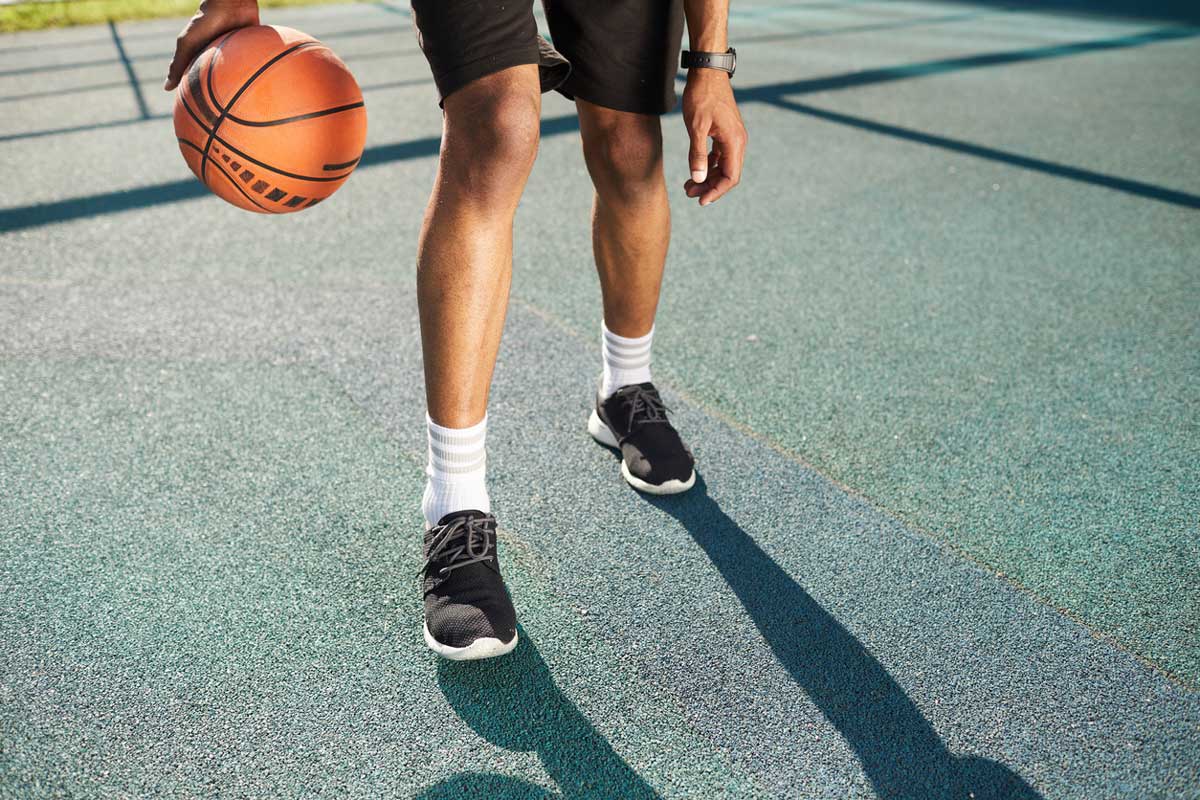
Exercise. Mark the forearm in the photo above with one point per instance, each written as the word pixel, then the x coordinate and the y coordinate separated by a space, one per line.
pixel 707 24
pixel 709 108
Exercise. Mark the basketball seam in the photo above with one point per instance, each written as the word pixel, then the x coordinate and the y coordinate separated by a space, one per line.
pixel 343 165
pixel 263 164
pixel 226 174
pixel 285 120
pixel 233 100
pixel 212 94
pixel 202 104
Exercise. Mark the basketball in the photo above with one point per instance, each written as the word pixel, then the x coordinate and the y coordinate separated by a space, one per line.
pixel 270 119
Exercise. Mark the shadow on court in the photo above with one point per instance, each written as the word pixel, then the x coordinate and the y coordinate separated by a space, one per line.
pixel 1177 10
pixel 776 94
pixel 900 752
pixel 514 703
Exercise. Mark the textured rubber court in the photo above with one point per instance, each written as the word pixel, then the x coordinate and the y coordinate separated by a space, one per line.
pixel 938 357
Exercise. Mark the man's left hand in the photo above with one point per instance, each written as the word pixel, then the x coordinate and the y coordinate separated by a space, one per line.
pixel 709 110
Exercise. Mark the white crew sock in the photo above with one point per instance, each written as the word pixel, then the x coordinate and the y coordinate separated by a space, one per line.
pixel 626 360
pixel 455 470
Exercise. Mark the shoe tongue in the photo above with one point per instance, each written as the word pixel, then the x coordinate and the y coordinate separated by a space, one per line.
pixel 470 513
pixel 630 388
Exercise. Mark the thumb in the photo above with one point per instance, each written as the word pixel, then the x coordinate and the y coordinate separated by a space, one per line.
pixel 698 153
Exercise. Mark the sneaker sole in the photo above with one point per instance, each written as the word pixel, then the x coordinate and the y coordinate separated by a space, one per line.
pixel 487 647
pixel 604 435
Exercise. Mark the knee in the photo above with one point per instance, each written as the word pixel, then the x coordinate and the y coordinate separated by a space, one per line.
pixel 491 140
pixel 624 154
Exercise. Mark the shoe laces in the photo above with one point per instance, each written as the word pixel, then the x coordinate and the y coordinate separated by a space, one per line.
pixel 459 543
pixel 645 406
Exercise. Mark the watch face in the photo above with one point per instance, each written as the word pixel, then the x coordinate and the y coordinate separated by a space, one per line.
pixel 733 67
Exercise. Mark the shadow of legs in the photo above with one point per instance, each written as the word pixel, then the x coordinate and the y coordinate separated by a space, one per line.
pixel 478 785
pixel 514 703
pixel 899 750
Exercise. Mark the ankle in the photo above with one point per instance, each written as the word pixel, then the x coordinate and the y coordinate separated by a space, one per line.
pixel 456 470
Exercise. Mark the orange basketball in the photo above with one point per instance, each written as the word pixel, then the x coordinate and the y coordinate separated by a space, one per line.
pixel 270 119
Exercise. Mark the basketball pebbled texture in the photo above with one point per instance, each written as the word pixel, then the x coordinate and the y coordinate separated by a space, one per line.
pixel 270 119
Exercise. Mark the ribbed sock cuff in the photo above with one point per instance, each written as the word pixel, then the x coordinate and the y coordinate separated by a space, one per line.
pixel 456 468
pixel 626 360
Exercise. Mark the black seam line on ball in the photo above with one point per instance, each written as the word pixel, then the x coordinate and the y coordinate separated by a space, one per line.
pixel 211 93
pixel 197 92
pixel 343 165
pixel 202 103
pixel 263 164
pixel 222 171
pixel 285 120
pixel 237 95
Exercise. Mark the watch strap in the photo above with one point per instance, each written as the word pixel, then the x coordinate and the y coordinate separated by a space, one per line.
pixel 726 61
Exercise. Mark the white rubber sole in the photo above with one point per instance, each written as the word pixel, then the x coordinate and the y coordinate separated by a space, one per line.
pixel 602 434
pixel 487 647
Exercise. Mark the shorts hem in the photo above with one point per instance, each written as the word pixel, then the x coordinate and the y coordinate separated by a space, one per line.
pixel 617 101
pixel 451 81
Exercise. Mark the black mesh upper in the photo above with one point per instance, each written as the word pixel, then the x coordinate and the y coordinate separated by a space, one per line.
pixel 469 601
pixel 650 446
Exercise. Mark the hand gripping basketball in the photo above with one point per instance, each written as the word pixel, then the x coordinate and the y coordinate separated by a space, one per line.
pixel 270 119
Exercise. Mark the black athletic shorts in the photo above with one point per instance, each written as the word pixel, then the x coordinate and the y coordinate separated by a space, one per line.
pixel 621 54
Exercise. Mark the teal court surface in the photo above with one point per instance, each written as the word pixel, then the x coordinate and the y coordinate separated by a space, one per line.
pixel 938 358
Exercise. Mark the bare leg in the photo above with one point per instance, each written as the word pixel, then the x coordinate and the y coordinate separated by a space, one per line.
pixel 631 218
pixel 464 259
pixel 464 269
pixel 631 228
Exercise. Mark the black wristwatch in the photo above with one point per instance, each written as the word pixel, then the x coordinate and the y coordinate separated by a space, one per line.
pixel 726 61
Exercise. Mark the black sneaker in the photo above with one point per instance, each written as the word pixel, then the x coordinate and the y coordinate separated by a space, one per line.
pixel 653 457
pixel 468 613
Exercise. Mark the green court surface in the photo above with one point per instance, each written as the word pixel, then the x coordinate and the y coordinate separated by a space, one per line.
pixel 938 358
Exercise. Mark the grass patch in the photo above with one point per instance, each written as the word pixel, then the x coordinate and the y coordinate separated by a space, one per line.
pixel 63 13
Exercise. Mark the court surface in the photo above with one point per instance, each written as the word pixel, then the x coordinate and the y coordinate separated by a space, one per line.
pixel 938 357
